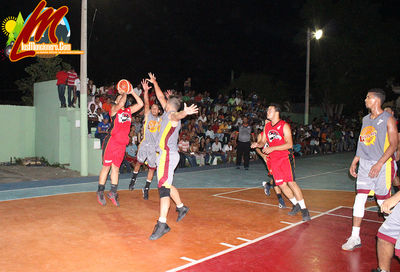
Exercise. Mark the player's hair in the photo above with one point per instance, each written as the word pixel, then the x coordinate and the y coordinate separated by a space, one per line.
pixel 174 102
pixel 379 93
pixel 277 107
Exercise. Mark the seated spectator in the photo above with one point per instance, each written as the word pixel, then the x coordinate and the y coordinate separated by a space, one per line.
pixel 207 151
pixel 314 146
pixel 195 150
pixel 210 132
pixel 229 151
pixel 107 105
pixel 129 160
pixel 102 129
pixel 216 148
pixel 93 118
pixel 184 153
pixel 97 103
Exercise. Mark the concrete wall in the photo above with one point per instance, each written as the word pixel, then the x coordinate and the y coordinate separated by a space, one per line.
pixel 57 136
pixel 17 132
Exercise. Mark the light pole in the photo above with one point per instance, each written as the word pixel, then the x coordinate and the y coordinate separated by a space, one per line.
pixel 83 72
pixel 317 35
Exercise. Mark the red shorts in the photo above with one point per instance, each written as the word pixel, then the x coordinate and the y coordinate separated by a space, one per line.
pixel 113 152
pixel 283 169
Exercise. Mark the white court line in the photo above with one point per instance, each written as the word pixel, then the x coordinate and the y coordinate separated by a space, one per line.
pixel 284 222
pixel 248 243
pixel 243 239
pixel 255 202
pixel 188 259
pixel 310 176
pixel 227 245
pixel 350 217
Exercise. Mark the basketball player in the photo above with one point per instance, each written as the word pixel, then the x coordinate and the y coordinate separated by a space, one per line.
pixel 396 156
pixel 168 157
pixel 278 135
pixel 115 142
pixel 389 234
pixel 376 145
pixel 267 184
pixel 147 148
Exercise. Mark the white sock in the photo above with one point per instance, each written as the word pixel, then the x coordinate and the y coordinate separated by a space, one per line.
pixel 135 172
pixel 162 219
pixel 302 204
pixel 355 232
pixel 179 206
pixel 293 200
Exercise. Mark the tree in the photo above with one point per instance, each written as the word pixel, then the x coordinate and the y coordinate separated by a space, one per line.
pixel 44 69
pixel 264 85
pixel 358 52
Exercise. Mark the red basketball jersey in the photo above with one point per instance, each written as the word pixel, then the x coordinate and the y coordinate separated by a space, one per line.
pixel 121 126
pixel 274 135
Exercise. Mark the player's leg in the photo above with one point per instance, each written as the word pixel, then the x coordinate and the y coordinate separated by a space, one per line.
pixel 141 158
pixel 107 160
pixel 101 187
pixel 113 195
pixel 278 193
pixel 181 209
pixel 385 252
pixel 146 187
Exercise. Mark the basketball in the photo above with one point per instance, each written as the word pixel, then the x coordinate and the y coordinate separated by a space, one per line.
pixel 124 86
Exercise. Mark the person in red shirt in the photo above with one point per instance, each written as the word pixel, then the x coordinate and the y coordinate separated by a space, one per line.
pixel 114 144
pixel 278 137
pixel 72 76
pixel 61 83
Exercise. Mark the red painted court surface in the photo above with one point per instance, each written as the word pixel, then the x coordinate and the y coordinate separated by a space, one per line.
pixel 229 229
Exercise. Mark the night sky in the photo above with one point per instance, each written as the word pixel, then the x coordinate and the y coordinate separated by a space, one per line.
pixel 207 39
pixel 177 39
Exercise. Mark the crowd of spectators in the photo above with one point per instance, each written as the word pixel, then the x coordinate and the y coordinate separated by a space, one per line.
pixel 211 137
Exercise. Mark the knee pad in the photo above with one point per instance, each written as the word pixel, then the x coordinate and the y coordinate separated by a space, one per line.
pixel 164 192
pixel 359 205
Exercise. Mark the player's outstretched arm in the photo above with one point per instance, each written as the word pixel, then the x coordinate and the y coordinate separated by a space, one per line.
pixel 192 109
pixel 146 88
pixel 139 102
pixel 159 93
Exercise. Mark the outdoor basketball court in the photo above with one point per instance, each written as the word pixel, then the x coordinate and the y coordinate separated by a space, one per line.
pixel 231 226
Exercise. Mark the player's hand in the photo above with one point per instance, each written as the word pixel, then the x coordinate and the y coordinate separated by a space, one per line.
pixel 388 204
pixel 254 145
pixel 130 91
pixel 168 93
pixel 145 85
pixel 192 109
pixel 375 169
pixel 267 150
pixel 352 170
pixel 152 78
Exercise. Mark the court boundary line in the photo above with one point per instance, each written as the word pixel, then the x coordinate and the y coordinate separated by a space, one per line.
pixel 250 242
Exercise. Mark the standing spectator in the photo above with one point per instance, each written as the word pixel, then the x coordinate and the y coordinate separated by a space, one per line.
pixel 93 118
pixel 61 83
pixel 91 88
pixel 72 76
pixel 187 85
pixel 138 89
pixel 243 144
pixel 77 84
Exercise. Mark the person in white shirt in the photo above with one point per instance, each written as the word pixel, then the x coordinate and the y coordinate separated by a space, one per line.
pixel 138 90
pixel 229 152
pixel 77 91
pixel 210 133
pixel 202 118
pixel 217 150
